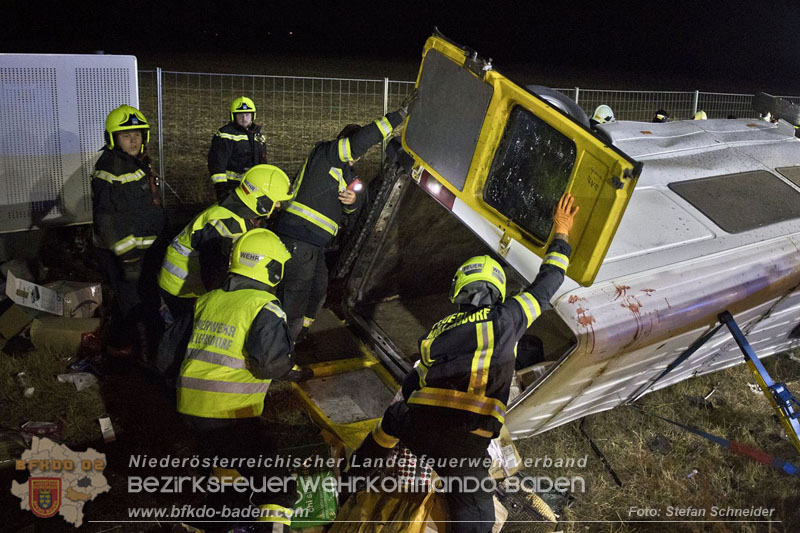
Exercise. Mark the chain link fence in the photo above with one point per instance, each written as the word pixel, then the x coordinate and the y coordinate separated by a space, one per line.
pixel 296 112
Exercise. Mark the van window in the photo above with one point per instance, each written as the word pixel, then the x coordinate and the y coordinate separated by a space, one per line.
pixel 530 172
pixel 743 201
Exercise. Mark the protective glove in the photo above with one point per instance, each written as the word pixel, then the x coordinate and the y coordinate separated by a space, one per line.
pixel 565 214
pixel 131 268
pixel 221 190
pixel 408 101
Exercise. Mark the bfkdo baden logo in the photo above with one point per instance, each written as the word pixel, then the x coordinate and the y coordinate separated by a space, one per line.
pixel 61 481
pixel 44 496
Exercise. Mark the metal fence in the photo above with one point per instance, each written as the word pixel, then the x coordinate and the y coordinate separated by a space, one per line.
pixel 296 112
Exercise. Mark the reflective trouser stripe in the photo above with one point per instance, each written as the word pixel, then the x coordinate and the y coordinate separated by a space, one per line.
pixel 219 178
pixel 175 270
pixel 315 217
pixel 482 405
pixel 556 259
pixel 233 176
pixel 385 126
pixel 215 358
pixel 275 513
pixel 481 361
pixel 530 306
pixel 211 385
pixel 337 174
pixel 383 439
pixel 345 155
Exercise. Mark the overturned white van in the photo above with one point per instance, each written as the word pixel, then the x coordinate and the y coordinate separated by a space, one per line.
pixel 680 221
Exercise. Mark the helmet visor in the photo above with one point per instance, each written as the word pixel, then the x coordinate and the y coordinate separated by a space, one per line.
pixel 274 271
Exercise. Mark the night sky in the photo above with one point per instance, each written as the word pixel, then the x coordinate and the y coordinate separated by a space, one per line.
pixel 636 45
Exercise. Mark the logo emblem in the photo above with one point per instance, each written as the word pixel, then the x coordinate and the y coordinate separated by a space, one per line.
pixel 45 496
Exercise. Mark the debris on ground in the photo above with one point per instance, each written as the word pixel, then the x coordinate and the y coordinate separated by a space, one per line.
pixel 81 380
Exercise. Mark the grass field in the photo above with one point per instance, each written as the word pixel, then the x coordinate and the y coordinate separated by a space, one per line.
pixel 653 460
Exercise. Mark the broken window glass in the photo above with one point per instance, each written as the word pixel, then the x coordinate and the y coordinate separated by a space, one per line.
pixel 530 172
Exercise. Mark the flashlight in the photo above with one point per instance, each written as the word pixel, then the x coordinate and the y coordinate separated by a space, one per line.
pixel 355 185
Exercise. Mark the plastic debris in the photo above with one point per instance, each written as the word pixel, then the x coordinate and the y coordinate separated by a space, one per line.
pixel 107 429
pixel 51 430
pixel 81 380
pixel 692 473
pixel 21 379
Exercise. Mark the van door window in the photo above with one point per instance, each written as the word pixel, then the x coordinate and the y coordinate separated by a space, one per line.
pixel 530 172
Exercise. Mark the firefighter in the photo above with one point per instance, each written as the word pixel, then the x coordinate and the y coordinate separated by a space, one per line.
pixel 239 344
pixel 236 147
pixel 454 399
pixel 602 114
pixel 128 221
pixel 661 116
pixel 196 260
pixel 323 194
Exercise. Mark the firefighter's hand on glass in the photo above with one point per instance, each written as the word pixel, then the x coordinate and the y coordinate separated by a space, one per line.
pixel 565 214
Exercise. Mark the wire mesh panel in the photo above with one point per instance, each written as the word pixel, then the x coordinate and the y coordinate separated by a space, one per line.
pixel 294 113
pixel 725 105
pixel 638 105
pixel 148 104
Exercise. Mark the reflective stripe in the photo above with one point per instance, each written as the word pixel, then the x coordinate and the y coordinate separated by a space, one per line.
pixel 215 358
pixel 181 249
pixel 479 376
pixel 307 322
pixel 425 351
pixel 383 439
pixel 175 270
pixel 385 126
pixel 275 309
pixel 530 306
pixel 336 173
pixel 348 211
pixel 557 259
pixel 275 513
pixel 221 228
pixel 235 176
pixel 126 244
pixel 315 217
pixel 344 150
pixel 422 372
pixel 211 385
pixel 231 136
pixel 219 178
pixel 464 401
pixel 145 242
pixel 122 178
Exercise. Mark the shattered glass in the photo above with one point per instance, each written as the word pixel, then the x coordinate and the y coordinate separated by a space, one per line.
pixel 530 172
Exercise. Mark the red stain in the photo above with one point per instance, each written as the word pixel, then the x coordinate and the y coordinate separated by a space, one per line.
pixel 648 291
pixel 622 290
pixel 585 320
pixel 574 298
pixel 633 305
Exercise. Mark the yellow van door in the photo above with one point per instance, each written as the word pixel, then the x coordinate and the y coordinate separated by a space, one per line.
pixel 509 155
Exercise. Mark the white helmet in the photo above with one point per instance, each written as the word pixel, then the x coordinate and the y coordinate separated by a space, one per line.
pixel 603 114
pixel 700 115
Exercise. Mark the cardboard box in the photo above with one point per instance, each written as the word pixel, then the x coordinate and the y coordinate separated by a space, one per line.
pixel 13 321
pixel 505 457
pixel 70 299
pixel 59 334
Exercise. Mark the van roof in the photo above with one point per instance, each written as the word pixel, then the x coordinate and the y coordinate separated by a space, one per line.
pixel 661 227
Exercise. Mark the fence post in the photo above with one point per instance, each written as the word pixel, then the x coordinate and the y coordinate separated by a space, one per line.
pixel 159 118
pixel 577 92
pixel 694 103
pixel 385 110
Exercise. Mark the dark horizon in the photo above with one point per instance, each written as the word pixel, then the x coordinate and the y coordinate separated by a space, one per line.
pixel 657 45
